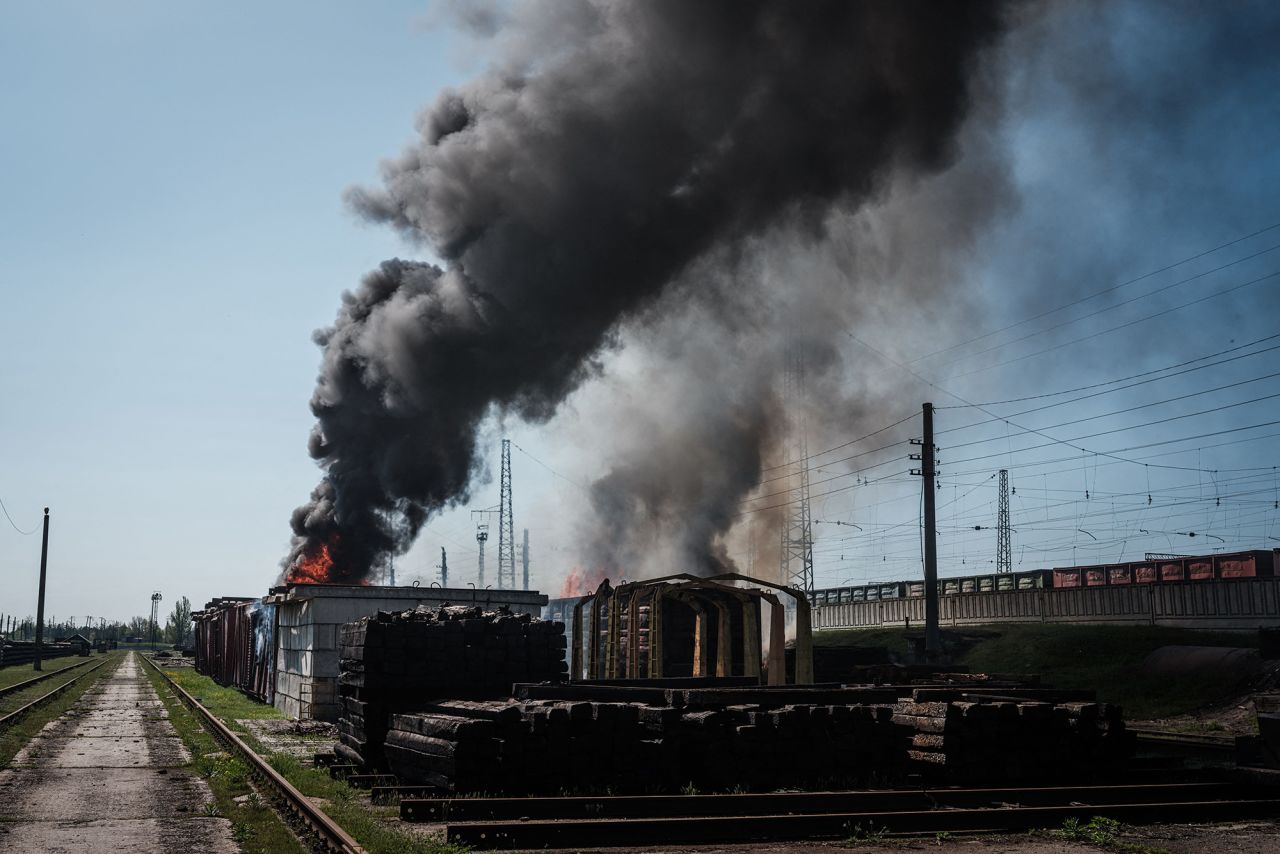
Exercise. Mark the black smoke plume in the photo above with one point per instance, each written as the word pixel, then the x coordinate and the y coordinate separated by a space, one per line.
pixel 565 191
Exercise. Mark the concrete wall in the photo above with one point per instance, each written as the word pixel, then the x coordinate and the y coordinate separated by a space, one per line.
pixel 309 617
pixel 1233 604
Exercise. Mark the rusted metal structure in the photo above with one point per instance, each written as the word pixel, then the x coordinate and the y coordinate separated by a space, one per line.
pixel 687 626
pixel 235 645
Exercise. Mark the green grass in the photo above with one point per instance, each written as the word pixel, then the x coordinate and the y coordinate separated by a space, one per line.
pixel 369 824
pixel 255 824
pixel 12 739
pixel 1107 659
pixel 22 672
pixel 374 827
pixel 227 703
pixel 1103 833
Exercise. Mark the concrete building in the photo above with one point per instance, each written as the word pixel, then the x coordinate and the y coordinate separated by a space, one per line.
pixel 307 618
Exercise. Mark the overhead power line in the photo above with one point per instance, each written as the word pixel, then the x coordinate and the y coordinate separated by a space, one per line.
pixel 1096 294
pixel 1219 408
pixel 1133 377
pixel 1118 327
pixel 566 478
pixel 1120 304
pixel 14 524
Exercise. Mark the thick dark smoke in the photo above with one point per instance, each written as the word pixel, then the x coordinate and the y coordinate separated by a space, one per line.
pixel 566 194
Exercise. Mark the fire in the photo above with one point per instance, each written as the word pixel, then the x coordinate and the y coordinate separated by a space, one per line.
pixel 580 582
pixel 315 567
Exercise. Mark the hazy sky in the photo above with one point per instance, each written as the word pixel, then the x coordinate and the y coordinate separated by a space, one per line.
pixel 173 230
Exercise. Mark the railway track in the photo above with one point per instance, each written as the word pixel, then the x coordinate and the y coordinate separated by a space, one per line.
pixel 510 823
pixel 22 686
pixel 17 714
pixel 326 831
pixel 1194 741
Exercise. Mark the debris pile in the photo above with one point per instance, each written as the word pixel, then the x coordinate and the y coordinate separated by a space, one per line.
pixel 394 661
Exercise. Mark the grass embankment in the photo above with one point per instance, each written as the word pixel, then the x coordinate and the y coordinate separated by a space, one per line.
pixel 367 823
pixel 12 739
pixel 22 672
pixel 255 824
pixel 1107 659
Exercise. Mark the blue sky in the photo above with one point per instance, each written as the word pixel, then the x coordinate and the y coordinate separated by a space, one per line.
pixel 173 231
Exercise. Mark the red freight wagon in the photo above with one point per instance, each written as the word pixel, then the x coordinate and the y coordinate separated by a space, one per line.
pixel 1245 565
pixel 1200 568
pixel 1066 578
pixel 1172 570
pixel 1095 576
pixel 1119 574
pixel 1144 573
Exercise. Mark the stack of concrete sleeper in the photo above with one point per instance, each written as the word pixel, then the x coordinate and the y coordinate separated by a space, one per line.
pixel 395 661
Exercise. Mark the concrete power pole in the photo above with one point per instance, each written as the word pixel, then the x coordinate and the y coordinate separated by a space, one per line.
pixel 44 562
pixel 928 471
pixel 524 558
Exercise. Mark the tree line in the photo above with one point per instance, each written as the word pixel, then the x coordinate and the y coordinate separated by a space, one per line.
pixel 176 628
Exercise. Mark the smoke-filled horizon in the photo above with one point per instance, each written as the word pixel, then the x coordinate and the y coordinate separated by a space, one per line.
pixel 665 165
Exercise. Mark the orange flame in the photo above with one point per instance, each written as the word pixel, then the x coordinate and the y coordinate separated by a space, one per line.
pixel 580 582
pixel 313 568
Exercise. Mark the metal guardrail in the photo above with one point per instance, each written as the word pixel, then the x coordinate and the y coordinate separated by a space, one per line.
pixel 330 834
pixel 13 717
pixel 22 686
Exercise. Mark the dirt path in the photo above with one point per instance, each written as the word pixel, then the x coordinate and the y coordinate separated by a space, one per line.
pixel 107 776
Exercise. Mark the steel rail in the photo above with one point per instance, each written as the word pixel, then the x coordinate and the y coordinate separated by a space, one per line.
pixel 329 832
pixel 1184 739
pixel 13 717
pixel 798 803
pixel 759 828
pixel 22 686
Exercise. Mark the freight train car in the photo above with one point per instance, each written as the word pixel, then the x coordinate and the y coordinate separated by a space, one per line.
pixel 988 583
pixel 1258 563
pixel 1168 570
pixel 235 645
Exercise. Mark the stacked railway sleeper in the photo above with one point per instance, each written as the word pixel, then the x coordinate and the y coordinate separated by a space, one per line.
pixel 757 741
pixel 394 661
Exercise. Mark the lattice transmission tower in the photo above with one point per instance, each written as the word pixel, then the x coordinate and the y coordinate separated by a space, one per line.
pixel 1004 543
pixel 796 568
pixel 506 525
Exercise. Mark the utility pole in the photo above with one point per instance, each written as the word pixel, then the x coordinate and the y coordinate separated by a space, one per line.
pixel 482 535
pixel 444 568
pixel 155 613
pixel 44 562
pixel 928 471
pixel 797 532
pixel 1004 543
pixel 506 525
pixel 524 558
